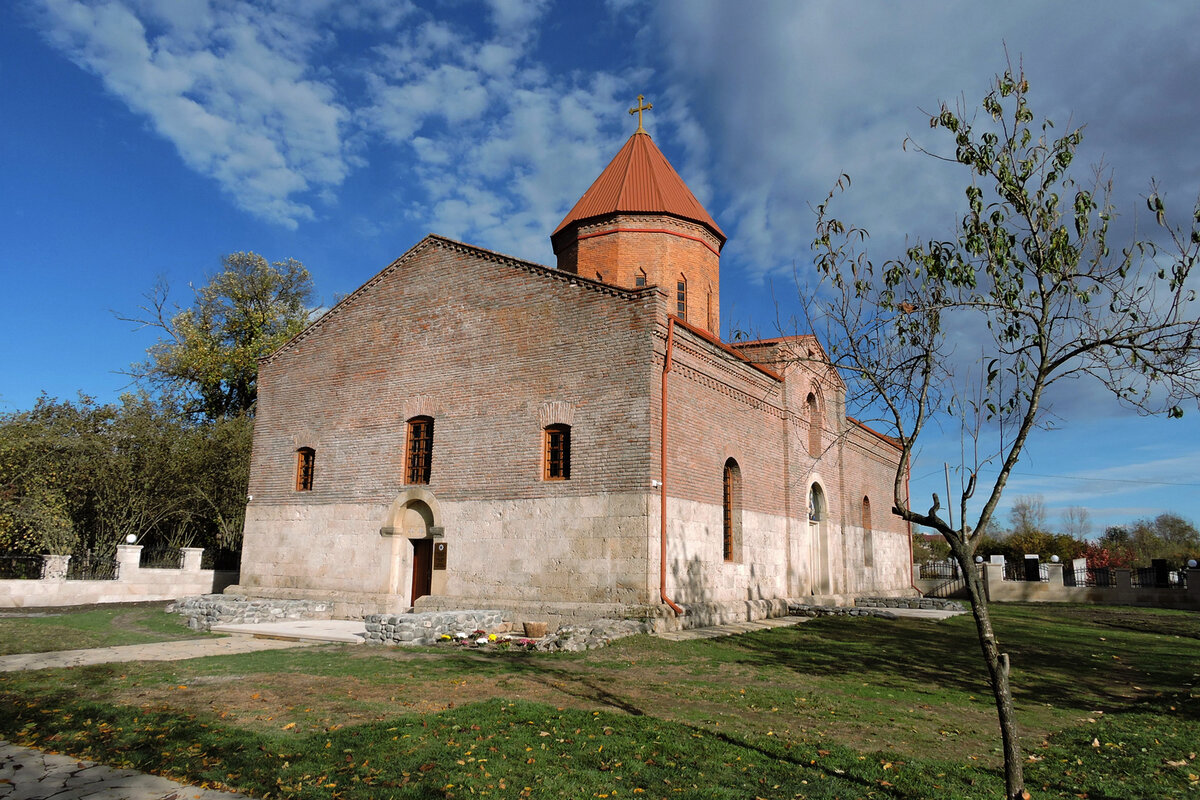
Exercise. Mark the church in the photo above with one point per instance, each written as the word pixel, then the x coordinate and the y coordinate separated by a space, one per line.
pixel 471 430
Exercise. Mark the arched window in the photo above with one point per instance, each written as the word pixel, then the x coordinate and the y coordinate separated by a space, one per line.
pixel 731 505
pixel 816 504
pixel 681 298
pixel 868 534
pixel 306 459
pixel 418 455
pixel 639 280
pixel 814 425
pixel 708 315
pixel 557 453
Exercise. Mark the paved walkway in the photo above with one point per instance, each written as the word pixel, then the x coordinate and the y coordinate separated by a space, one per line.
pixel 157 651
pixel 345 631
pixel 27 774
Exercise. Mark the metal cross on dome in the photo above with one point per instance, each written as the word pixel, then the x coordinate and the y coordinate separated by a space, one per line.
pixel 641 106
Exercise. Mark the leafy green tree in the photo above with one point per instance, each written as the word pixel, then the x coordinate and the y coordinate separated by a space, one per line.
pixel 82 476
pixel 209 353
pixel 1031 275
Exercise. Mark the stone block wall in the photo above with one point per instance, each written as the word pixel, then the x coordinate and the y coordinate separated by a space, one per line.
pixel 428 627
pixel 201 612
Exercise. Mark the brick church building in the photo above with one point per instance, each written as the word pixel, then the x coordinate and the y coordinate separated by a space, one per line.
pixel 471 430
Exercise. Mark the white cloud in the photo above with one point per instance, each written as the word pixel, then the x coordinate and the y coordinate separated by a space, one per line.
pixel 801 92
pixel 502 145
pixel 227 84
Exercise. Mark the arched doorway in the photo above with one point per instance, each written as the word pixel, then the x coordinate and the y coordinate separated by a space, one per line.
pixel 416 521
pixel 818 536
pixel 411 520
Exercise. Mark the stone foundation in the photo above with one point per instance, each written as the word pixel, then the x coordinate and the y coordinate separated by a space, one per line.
pixel 428 627
pixel 939 603
pixel 805 610
pixel 201 612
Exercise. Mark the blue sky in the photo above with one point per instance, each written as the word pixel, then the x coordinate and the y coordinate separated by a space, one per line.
pixel 146 138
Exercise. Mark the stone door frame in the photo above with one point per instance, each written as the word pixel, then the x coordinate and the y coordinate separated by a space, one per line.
pixel 402 572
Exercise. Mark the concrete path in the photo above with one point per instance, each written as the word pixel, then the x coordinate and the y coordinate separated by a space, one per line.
pixel 157 651
pixel 27 774
pixel 346 631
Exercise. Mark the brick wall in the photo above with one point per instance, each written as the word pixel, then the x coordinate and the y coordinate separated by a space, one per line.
pixel 616 249
pixel 482 341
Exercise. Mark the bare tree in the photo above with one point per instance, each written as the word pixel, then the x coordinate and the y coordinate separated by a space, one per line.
pixel 1028 513
pixel 1076 522
pixel 1029 278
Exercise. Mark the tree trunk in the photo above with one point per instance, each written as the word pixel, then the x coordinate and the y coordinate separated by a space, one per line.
pixel 997 664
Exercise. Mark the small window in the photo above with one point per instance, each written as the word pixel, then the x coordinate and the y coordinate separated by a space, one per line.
pixel 814 425
pixel 305 461
pixel 558 453
pixel 731 518
pixel 816 504
pixel 708 312
pixel 419 457
pixel 681 298
pixel 640 280
pixel 868 534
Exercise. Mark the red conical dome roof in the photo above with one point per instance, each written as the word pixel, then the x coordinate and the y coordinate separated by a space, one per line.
pixel 639 180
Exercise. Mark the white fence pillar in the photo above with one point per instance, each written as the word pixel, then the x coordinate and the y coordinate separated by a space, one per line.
pixel 129 560
pixel 191 558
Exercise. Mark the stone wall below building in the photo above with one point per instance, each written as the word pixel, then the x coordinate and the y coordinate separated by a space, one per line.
pixel 937 603
pixel 429 626
pixel 201 612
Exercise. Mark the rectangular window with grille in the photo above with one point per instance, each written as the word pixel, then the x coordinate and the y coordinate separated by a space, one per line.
pixel 558 453
pixel 681 299
pixel 419 459
pixel 306 459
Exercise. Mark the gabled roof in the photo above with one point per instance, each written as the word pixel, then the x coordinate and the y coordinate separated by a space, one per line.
pixel 432 240
pixel 640 180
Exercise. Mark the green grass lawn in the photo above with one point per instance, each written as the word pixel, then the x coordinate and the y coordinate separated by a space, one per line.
pixel 833 708
pixel 45 629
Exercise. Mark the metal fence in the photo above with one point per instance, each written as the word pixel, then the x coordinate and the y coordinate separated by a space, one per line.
pixel 1157 577
pixel 88 567
pixel 161 558
pixel 1100 576
pixel 939 570
pixel 18 566
pixel 1017 571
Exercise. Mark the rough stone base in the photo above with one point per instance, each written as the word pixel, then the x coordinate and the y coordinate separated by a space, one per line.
pixel 939 603
pixel 589 636
pixel 343 605
pixel 658 617
pixel 805 610
pixel 427 627
pixel 201 612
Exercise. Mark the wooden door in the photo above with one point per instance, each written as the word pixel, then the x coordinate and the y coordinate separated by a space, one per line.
pixel 422 568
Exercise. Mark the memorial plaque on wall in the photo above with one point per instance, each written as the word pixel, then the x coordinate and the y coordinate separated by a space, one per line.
pixel 439 555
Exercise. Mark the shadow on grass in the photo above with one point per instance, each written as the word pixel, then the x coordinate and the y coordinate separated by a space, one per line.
pixel 1063 663
pixel 484 747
